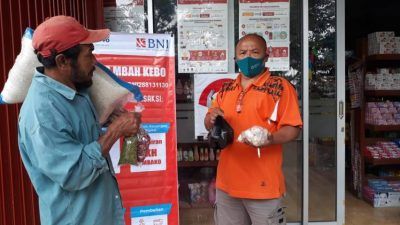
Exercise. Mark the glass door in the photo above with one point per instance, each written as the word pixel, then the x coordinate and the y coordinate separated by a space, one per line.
pixel 314 163
pixel 324 83
pixel 293 151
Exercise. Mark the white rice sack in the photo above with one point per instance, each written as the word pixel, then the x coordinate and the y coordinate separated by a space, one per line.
pixel 255 135
pixel 20 75
pixel 108 92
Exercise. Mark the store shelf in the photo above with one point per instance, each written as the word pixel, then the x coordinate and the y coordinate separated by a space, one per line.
pixel 376 162
pixel 383 57
pixel 373 141
pixel 183 101
pixel 195 205
pixel 382 127
pixel 382 93
pixel 390 178
pixel 197 163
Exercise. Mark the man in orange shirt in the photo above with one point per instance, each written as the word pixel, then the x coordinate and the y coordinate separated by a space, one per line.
pixel 249 188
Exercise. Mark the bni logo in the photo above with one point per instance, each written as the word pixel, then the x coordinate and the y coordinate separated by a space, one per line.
pixel 141 42
pixel 152 43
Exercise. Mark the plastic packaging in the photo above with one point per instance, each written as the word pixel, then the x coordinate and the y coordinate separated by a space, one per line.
pixel 256 136
pixel 134 148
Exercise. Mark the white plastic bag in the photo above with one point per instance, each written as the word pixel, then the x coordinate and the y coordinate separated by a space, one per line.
pixel 256 136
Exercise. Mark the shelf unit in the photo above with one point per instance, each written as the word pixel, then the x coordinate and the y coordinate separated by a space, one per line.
pixel 383 58
pixel 382 127
pixel 382 93
pixel 363 130
pixel 190 172
pixel 378 162
pixel 198 163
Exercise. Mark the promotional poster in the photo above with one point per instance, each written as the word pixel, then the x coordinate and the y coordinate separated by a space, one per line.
pixel 270 19
pixel 150 189
pixel 202 36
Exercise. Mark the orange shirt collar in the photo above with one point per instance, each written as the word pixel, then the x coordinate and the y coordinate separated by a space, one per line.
pixel 260 80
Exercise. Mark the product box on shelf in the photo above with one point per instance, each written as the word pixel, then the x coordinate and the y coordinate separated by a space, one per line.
pixel 381 193
pixel 382 113
pixel 383 150
pixel 383 43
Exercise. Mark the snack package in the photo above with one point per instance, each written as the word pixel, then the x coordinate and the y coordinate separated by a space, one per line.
pixel 134 148
pixel 256 135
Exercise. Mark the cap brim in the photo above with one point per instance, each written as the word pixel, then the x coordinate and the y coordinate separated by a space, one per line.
pixel 96 36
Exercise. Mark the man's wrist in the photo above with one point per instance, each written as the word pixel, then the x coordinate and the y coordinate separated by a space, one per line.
pixel 271 139
pixel 108 139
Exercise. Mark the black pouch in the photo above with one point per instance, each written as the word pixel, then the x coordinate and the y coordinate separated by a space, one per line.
pixel 221 135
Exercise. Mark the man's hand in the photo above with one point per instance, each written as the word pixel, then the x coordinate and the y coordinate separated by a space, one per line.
pixel 126 124
pixel 117 113
pixel 267 142
pixel 209 120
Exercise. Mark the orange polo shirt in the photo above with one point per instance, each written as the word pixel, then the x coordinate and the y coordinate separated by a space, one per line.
pixel 270 102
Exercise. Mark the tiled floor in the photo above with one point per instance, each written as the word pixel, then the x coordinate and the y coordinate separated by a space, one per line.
pixel 358 212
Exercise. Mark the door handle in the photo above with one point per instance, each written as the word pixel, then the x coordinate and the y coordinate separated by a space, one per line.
pixel 341 109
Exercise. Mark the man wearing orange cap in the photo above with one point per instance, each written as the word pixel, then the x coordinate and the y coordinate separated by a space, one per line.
pixel 250 186
pixel 62 147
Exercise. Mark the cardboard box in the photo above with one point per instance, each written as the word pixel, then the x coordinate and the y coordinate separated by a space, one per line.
pixel 381 199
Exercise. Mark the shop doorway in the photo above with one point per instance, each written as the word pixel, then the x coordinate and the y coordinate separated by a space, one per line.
pixel 314 163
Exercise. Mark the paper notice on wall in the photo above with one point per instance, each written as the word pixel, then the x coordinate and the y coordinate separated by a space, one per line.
pixel 127 16
pixel 278 56
pixel 206 87
pixel 270 19
pixel 202 36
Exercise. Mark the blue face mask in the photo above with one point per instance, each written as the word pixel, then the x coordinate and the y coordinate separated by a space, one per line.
pixel 251 67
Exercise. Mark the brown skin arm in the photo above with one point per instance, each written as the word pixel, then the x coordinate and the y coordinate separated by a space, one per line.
pixel 209 120
pixel 282 136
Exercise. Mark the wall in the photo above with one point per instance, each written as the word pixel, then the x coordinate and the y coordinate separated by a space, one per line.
pixel 18 201
pixel 367 16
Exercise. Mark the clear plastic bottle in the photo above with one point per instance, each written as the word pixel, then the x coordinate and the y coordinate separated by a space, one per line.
pixel 206 154
pixel 196 153
pixel 191 157
pixel 185 155
pixel 212 155
pixel 201 154
pixel 218 154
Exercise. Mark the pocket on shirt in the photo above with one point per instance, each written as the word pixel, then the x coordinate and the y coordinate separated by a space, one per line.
pixel 278 217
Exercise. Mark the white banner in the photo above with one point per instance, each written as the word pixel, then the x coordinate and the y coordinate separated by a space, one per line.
pixel 270 19
pixel 206 87
pixel 202 36
pixel 136 44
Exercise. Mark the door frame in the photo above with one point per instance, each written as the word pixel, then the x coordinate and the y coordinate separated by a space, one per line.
pixel 340 116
